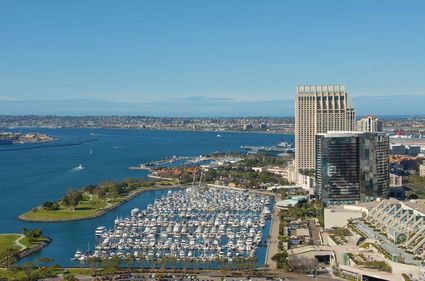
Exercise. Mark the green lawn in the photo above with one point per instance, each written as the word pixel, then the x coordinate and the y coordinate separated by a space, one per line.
pixel 8 241
pixel 89 206
pixel 63 214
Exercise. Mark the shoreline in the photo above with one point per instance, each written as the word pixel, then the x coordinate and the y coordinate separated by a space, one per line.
pixel 162 129
pixel 25 251
pixel 101 212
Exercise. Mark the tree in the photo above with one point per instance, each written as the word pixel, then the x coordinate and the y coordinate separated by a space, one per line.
pixel 72 198
pixel 48 205
pixel 11 256
pixel 93 263
pixel 303 264
pixel 14 269
pixel 142 261
pixel 27 268
pixel 33 234
pixel 251 264
pixel 281 260
pixel 69 277
pixel 129 261
pixel 222 265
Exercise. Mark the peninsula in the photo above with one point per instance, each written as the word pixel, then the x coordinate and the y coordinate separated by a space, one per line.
pixel 92 201
pixel 15 246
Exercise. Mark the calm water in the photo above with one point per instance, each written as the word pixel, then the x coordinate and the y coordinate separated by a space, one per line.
pixel 32 176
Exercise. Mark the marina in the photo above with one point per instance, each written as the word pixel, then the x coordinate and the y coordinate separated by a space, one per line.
pixel 198 223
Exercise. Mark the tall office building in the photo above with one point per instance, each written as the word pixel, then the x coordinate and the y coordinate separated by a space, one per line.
pixel 319 109
pixel 369 123
pixel 351 167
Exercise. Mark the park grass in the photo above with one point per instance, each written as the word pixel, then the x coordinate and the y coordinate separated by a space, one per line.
pixel 59 215
pixel 9 275
pixel 26 242
pixel 90 206
pixel 8 241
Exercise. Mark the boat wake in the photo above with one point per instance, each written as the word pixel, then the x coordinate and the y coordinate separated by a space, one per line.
pixel 78 168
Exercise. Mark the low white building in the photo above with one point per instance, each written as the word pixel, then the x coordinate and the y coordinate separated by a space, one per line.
pixel 339 215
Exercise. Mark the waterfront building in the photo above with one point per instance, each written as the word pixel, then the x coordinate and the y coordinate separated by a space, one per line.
pixel 402 222
pixel 319 109
pixel 351 167
pixel 369 123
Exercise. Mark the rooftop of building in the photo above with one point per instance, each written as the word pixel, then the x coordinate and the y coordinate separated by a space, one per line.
pixel 341 209
pixel 302 89
pixel 370 116
pixel 367 205
pixel 417 204
pixel 341 134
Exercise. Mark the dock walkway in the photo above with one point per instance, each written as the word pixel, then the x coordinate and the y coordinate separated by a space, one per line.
pixel 273 241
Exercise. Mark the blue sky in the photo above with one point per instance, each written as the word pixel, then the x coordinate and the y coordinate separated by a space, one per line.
pixel 201 56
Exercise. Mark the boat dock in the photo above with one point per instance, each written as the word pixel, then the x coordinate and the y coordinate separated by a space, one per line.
pixel 155 164
pixel 202 223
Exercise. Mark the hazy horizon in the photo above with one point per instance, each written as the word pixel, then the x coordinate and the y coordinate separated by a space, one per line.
pixel 198 107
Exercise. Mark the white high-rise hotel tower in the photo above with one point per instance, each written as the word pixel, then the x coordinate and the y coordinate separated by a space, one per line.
pixel 319 109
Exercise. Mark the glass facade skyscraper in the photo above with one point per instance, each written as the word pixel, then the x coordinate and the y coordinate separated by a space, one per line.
pixel 351 167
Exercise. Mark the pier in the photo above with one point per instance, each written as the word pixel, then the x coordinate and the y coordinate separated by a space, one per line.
pixel 155 164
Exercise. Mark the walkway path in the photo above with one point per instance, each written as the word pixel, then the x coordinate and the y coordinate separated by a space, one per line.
pixel 273 241
pixel 18 242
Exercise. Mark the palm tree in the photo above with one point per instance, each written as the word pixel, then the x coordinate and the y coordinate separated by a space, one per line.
pixel 142 261
pixel 163 262
pixel 129 261
pixel 251 264
pixel 185 264
pixel 222 265
pixel 93 264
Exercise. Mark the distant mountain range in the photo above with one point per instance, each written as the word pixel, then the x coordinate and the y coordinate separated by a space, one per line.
pixel 204 107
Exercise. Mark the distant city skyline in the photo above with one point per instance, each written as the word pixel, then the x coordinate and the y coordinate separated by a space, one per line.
pixel 218 58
